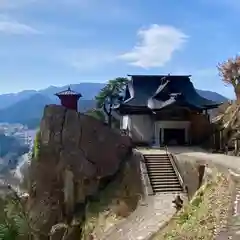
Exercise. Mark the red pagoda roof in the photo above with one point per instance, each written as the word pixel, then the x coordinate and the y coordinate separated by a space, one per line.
pixel 68 92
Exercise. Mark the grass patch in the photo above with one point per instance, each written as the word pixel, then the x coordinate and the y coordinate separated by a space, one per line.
pixel 198 219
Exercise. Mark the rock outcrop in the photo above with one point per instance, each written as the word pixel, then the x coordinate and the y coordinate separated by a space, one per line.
pixel 227 125
pixel 77 155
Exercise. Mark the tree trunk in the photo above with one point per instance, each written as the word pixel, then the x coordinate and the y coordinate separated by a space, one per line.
pixel 237 93
pixel 110 117
pixel 108 113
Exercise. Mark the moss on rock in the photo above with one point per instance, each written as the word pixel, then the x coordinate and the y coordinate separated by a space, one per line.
pixel 36 145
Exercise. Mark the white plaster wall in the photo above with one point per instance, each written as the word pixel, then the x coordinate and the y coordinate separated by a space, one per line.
pixel 124 122
pixel 171 124
pixel 141 128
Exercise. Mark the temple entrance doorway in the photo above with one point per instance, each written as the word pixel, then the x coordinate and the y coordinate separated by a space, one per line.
pixel 174 136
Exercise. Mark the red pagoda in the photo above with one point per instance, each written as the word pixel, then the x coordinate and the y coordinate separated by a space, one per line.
pixel 69 99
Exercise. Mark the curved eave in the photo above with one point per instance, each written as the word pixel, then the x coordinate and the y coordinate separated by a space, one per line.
pixel 124 109
pixel 212 106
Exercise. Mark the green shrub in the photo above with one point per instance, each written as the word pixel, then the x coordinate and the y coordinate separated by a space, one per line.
pixel 13 219
pixel 36 146
pixel 96 113
pixel 197 201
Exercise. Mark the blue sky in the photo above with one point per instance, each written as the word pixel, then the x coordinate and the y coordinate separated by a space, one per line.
pixel 58 42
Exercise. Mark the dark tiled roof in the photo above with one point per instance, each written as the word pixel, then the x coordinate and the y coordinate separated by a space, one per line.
pixel 162 87
pixel 69 92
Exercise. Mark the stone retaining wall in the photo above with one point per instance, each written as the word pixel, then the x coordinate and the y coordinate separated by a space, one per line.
pixel 188 170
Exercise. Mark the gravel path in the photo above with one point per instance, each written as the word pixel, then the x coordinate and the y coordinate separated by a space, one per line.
pixel 146 220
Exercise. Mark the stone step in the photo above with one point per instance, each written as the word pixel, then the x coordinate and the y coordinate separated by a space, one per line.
pixel 156 158
pixel 160 169
pixel 158 162
pixel 162 172
pixel 159 166
pixel 166 184
pixel 164 181
pixel 159 186
pixel 155 155
pixel 172 177
pixel 158 190
pixel 163 177
pixel 169 177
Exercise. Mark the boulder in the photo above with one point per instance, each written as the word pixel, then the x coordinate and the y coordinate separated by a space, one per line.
pixel 76 151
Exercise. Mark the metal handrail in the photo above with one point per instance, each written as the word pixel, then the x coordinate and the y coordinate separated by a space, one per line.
pixel 172 160
pixel 176 170
pixel 166 149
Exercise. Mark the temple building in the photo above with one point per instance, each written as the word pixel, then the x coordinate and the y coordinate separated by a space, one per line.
pixel 69 99
pixel 164 110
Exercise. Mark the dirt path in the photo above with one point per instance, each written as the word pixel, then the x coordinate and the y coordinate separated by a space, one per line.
pixel 230 162
pixel 146 220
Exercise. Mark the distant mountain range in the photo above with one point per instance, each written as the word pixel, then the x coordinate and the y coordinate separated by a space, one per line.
pixel 26 107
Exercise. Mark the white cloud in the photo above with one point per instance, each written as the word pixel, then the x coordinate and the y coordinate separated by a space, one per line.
pixel 14 27
pixel 155 47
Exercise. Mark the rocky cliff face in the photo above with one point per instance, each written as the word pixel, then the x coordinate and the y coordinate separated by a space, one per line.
pixel 228 122
pixel 77 156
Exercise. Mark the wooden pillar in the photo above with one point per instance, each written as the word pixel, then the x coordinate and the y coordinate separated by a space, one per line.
pixel 235 145
pixel 226 149
pixel 214 141
pixel 189 136
pixel 162 135
pixel 220 140
pixel 238 144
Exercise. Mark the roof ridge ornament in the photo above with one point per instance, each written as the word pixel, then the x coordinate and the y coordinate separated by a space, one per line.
pixel 68 92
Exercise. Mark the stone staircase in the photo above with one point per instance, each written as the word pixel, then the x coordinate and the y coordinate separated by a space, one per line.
pixel 162 175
